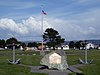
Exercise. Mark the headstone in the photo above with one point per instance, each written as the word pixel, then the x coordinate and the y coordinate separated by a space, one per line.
pixel 55 60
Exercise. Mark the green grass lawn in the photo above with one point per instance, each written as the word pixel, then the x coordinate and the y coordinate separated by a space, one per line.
pixel 89 69
pixel 32 60
pixel 8 69
pixel 94 68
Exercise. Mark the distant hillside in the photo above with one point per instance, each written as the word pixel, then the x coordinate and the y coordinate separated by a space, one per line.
pixel 89 41
pixel 26 42
pixel 94 41
pixel 67 42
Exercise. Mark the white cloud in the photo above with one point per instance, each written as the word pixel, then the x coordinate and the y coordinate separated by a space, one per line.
pixel 36 25
pixel 25 27
pixel 80 26
pixel 13 26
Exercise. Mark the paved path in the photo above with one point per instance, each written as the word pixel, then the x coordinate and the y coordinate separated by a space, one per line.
pixel 73 68
pixel 56 72
pixel 50 72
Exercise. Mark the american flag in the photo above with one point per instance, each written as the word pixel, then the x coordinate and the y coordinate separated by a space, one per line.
pixel 44 12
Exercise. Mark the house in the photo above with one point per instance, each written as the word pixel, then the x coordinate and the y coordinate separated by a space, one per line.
pixel 55 60
pixel 40 47
pixel 21 48
pixel 98 47
pixel 31 48
pixel 59 47
pixel 90 46
pixel 65 47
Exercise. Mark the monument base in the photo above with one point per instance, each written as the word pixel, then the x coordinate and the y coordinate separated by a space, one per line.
pixel 42 53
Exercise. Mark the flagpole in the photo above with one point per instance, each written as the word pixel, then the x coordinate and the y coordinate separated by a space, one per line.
pixel 42 51
pixel 42 27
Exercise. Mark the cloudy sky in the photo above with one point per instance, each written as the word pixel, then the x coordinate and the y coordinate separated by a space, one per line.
pixel 73 19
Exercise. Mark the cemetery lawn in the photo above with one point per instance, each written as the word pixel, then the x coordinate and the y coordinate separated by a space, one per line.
pixel 28 58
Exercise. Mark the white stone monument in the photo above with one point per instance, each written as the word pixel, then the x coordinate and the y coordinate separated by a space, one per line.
pixel 55 60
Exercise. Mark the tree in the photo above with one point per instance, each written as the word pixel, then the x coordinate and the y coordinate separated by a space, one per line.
pixel 71 44
pixel 78 44
pixel 81 44
pixel 11 41
pixel 32 44
pixel 2 43
pixel 23 44
pixel 52 38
